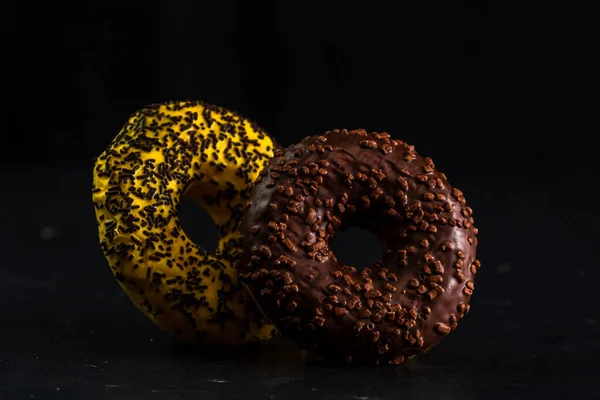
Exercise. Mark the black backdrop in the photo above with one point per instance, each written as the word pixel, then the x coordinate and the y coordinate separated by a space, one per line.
pixel 501 96
pixel 481 88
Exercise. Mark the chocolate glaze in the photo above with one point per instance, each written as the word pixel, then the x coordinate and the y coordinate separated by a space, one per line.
pixel 400 306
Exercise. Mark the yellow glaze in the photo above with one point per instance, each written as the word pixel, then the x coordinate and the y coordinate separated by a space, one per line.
pixel 162 153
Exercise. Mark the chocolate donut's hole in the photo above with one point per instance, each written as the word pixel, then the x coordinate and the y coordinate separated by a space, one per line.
pixel 357 247
pixel 197 224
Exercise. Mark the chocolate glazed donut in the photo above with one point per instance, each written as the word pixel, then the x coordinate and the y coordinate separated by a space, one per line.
pixel 400 306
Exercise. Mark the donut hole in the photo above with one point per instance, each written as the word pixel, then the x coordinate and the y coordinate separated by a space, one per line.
pixel 357 247
pixel 197 224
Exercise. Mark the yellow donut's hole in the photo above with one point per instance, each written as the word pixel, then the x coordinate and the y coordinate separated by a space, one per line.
pixel 197 224
pixel 206 196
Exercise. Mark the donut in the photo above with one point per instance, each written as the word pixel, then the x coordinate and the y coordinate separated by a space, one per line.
pixel 161 154
pixel 405 302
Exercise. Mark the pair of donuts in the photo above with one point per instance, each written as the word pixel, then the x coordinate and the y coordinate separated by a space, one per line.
pixel 278 212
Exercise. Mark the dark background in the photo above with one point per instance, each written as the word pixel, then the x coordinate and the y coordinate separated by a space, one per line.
pixel 478 87
pixel 501 96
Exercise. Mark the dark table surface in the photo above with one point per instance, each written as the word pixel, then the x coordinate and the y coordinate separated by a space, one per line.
pixel 68 331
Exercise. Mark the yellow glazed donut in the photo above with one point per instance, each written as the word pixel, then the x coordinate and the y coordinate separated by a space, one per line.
pixel 163 153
